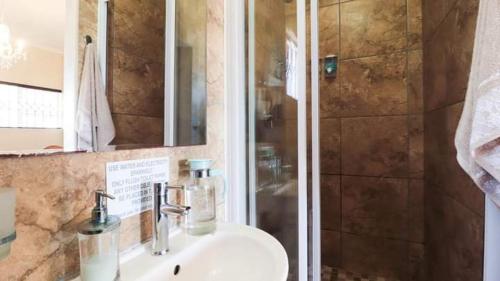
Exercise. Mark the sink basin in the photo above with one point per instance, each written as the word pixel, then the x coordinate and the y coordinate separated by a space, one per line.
pixel 232 253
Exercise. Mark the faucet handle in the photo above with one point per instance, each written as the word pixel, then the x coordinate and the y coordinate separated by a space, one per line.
pixel 179 210
pixel 163 188
pixel 175 187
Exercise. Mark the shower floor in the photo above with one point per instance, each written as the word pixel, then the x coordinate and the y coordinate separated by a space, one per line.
pixel 335 274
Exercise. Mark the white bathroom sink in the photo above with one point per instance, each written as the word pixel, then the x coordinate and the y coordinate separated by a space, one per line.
pixel 232 253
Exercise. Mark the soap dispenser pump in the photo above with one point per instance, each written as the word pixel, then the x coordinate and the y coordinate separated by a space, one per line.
pixel 98 239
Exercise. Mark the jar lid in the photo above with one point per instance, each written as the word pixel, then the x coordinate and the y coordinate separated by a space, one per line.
pixel 199 164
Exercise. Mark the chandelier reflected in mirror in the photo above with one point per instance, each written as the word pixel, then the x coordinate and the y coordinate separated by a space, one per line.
pixel 10 54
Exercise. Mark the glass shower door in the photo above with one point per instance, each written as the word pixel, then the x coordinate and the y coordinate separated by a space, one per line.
pixel 276 110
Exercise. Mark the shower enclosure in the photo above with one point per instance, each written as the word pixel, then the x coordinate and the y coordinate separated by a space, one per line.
pixel 278 85
pixel 377 85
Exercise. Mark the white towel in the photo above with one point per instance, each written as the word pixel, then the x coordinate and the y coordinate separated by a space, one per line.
pixel 478 134
pixel 94 125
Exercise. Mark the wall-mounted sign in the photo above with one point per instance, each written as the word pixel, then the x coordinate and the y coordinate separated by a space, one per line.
pixel 131 182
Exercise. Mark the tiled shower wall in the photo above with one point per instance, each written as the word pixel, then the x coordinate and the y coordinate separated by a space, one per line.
pixel 136 70
pixel 454 209
pixel 372 138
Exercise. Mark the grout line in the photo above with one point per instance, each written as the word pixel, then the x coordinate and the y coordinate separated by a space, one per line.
pixel 441 22
pixel 408 129
pixel 369 176
pixel 443 107
pixel 339 73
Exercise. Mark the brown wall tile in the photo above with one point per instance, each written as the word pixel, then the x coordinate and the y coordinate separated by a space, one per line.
pixel 374 86
pixel 454 207
pixel 416 146
pixel 375 206
pixel 330 202
pixel 331 248
pixel 131 129
pixel 329 31
pixel 416 255
pixel 415 82
pixel 138 86
pixel 375 256
pixel 330 146
pixel 448 56
pixel 372 27
pixel 329 95
pixel 375 146
pixel 454 237
pixel 416 211
pixel 414 24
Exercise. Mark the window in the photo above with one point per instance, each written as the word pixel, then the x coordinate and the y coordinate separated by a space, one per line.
pixel 291 66
pixel 26 107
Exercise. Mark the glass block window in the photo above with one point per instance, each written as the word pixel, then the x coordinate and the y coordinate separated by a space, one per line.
pixel 24 107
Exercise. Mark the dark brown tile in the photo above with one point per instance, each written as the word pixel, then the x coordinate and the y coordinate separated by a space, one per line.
pixel 147 29
pixel 454 239
pixel 416 146
pixel 329 33
pixel 436 145
pixel 138 86
pixel 442 170
pixel 375 256
pixel 414 24
pixel 331 248
pixel 435 69
pixel 434 12
pixel 372 27
pixel 416 254
pixel 330 146
pixel 416 211
pixel 461 27
pixel 374 86
pixel 329 94
pixel 330 202
pixel 415 82
pixel 448 56
pixel 132 129
pixel 375 206
pixel 369 150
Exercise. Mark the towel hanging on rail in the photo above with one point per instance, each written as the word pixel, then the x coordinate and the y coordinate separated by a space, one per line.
pixel 94 124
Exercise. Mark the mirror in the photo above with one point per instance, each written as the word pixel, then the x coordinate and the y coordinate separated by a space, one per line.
pixel 105 75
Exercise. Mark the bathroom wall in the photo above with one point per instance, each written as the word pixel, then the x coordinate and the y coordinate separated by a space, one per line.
pixel 372 138
pixel 54 193
pixel 136 70
pixel 454 208
pixel 42 68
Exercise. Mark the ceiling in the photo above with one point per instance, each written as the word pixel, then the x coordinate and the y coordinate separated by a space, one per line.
pixel 39 22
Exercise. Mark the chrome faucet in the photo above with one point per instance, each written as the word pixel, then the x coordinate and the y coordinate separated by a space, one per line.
pixel 161 211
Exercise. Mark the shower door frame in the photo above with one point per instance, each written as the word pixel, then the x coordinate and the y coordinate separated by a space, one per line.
pixel 238 205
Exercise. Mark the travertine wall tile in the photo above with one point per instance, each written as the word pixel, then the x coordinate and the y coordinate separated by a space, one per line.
pixel 375 206
pixel 372 27
pixel 377 97
pixel 454 206
pixel 373 86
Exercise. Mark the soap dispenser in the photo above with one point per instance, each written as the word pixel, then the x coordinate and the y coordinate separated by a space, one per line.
pixel 99 243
